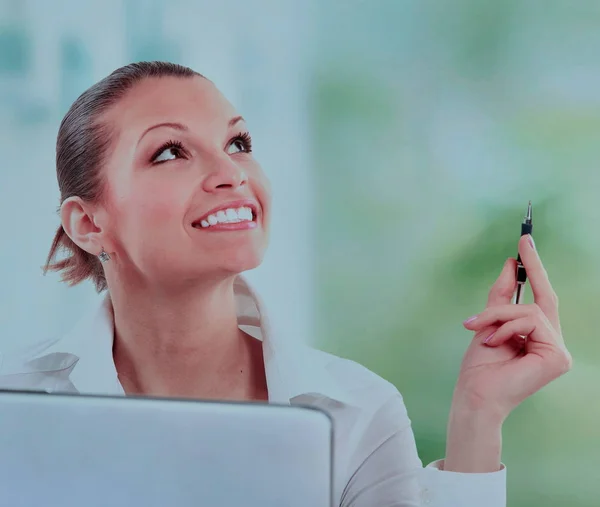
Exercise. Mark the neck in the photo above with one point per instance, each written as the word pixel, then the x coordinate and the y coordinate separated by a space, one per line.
pixel 183 342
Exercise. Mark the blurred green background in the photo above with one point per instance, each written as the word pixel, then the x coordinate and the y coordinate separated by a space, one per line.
pixel 434 124
pixel 415 131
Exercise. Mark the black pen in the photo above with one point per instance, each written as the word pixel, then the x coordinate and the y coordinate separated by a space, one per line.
pixel 526 228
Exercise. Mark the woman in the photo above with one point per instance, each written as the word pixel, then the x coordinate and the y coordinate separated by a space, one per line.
pixel 163 205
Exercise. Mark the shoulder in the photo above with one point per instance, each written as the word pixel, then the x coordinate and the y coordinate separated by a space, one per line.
pixel 31 350
pixel 93 324
pixel 354 382
pixel 372 420
pixel 16 359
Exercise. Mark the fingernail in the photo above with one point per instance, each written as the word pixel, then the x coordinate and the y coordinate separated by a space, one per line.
pixel 470 319
pixel 531 242
pixel 489 337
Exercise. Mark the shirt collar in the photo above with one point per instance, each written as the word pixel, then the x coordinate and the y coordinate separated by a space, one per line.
pixel 292 369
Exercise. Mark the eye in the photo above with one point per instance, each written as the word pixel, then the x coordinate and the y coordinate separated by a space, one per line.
pixel 171 150
pixel 242 143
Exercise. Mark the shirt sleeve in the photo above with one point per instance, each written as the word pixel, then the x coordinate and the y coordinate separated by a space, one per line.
pixel 389 473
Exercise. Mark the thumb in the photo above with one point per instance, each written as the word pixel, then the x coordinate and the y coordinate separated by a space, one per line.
pixel 505 285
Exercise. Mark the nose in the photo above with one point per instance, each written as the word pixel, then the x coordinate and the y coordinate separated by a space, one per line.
pixel 225 175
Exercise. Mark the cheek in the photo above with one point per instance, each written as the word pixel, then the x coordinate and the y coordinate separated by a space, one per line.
pixel 151 210
pixel 262 188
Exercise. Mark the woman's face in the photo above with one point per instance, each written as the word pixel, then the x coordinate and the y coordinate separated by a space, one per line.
pixel 185 198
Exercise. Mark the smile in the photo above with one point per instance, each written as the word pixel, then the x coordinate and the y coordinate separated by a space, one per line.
pixel 243 216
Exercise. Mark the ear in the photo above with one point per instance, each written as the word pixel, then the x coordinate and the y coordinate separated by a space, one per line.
pixel 77 219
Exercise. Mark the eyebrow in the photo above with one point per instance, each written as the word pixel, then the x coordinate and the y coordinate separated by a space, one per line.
pixel 235 120
pixel 176 126
pixel 179 126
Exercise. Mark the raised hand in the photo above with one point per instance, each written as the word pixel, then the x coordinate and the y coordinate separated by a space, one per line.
pixel 516 350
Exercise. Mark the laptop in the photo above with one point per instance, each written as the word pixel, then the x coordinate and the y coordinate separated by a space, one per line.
pixel 72 450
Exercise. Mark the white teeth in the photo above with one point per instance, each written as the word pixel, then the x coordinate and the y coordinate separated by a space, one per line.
pixel 228 216
pixel 245 213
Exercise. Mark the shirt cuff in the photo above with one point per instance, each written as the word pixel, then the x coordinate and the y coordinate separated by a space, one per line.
pixel 449 489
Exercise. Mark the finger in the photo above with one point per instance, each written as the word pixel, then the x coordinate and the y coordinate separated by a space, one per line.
pixel 505 285
pixel 482 335
pixel 543 360
pixel 507 313
pixel 518 328
pixel 545 356
pixel 545 364
pixel 499 314
pixel 543 292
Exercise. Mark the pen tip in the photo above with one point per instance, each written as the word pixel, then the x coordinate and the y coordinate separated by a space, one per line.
pixel 529 213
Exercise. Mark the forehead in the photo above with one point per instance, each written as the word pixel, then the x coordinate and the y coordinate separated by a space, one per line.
pixel 195 101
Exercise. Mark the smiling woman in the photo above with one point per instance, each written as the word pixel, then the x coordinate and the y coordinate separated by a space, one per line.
pixel 161 139
pixel 163 205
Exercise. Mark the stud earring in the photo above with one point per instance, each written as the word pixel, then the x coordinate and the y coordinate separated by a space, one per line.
pixel 103 256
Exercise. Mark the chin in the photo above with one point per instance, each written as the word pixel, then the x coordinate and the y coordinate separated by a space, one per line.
pixel 226 255
pixel 234 261
pixel 236 266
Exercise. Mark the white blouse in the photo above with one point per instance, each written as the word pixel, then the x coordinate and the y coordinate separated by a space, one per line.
pixel 375 457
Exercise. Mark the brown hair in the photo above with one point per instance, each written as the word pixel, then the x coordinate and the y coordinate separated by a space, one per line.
pixel 81 148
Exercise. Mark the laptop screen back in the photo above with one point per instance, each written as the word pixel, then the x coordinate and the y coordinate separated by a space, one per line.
pixel 73 450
